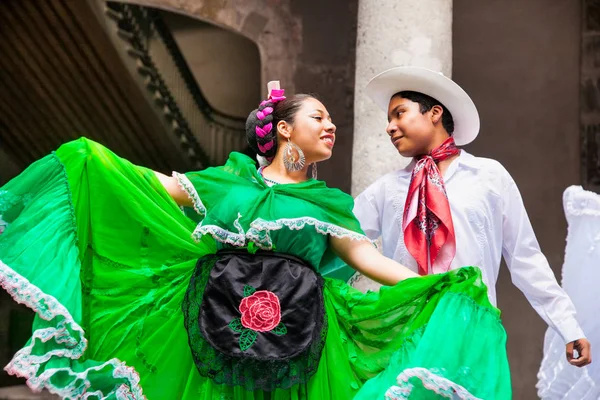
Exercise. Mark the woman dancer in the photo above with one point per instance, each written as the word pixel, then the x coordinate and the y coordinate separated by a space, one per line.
pixel 235 297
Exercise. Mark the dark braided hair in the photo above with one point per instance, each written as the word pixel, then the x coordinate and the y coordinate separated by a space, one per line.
pixel 261 125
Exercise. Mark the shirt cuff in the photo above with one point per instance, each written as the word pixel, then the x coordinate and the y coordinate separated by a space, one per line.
pixel 570 330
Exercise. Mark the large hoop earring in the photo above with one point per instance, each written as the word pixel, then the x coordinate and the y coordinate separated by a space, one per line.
pixel 290 162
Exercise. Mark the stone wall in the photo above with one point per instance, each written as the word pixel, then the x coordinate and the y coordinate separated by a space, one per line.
pixel 325 66
pixel 590 95
pixel 520 62
pixel 309 46
pixel 225 64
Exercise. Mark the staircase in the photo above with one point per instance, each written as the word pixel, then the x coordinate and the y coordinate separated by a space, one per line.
pixel 207 136
pixel 107 71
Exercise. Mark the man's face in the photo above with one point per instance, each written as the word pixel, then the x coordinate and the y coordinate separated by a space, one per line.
pixel 411 132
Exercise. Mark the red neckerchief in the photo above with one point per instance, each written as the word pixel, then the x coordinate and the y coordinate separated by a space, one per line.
pixel 427 223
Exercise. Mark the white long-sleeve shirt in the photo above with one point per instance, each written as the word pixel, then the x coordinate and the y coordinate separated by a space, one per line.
pixel 490 221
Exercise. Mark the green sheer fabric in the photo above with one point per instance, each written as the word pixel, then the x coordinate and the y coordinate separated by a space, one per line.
pixel 241 210
pixel 103 255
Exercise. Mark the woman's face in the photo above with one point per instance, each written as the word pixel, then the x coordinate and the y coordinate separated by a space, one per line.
pixel 312 131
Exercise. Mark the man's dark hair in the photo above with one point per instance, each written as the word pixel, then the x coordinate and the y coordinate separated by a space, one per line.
pixel 426 103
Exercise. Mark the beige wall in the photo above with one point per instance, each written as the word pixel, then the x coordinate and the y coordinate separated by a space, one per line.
pixel 298 44
pixel 325 67
pixel 519 60
pixel 226 64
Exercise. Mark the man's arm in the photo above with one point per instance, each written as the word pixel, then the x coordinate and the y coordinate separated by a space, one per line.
pixel 531 273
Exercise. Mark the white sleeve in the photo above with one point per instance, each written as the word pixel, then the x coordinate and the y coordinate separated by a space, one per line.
pixel 367 212
pixel 530 270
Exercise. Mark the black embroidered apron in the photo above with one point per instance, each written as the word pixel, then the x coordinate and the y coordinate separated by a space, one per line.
pixel 255 320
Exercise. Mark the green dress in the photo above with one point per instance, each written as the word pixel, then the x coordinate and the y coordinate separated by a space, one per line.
pixel 103 255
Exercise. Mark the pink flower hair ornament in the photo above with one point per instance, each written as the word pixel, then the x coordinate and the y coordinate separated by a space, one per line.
pixel 275 96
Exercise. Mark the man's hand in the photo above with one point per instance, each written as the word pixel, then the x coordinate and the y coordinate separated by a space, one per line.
pixel 584 350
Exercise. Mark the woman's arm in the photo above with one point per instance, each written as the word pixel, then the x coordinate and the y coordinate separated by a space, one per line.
pixel 364 257
pixel 177 193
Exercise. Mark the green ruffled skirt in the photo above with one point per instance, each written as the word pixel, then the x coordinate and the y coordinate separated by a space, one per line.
pixel 98 249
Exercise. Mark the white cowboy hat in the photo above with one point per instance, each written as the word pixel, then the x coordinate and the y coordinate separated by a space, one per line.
pixel 434 84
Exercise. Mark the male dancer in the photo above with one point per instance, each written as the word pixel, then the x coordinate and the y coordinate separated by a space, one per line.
pixel 448 208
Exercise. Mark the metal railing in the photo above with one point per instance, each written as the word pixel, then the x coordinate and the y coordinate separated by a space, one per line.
pixel 207 136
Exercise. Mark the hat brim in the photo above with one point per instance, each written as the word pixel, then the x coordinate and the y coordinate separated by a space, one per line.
pixel 464 113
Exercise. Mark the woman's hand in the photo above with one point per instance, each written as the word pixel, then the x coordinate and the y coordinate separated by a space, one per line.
pixel 366 259
pixel 172 186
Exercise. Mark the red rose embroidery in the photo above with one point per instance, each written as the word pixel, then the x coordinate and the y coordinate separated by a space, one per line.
pixel 261 311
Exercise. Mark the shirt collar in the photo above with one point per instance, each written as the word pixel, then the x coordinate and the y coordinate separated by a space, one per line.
pixel 465 159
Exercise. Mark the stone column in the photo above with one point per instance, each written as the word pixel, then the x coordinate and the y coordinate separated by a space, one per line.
pixel 392 33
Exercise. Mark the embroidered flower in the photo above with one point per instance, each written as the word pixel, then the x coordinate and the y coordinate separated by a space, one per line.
pixel 261 312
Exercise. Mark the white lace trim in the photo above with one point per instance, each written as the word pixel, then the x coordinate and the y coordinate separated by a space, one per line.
pixel 431 381
pixel 187 186
pixel 579 202
pixel 221 234
pixel 26 365
pixel 260 229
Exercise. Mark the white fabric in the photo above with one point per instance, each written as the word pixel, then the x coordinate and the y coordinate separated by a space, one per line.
pixel 581 278
pixel 490 221
pixel 434 84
